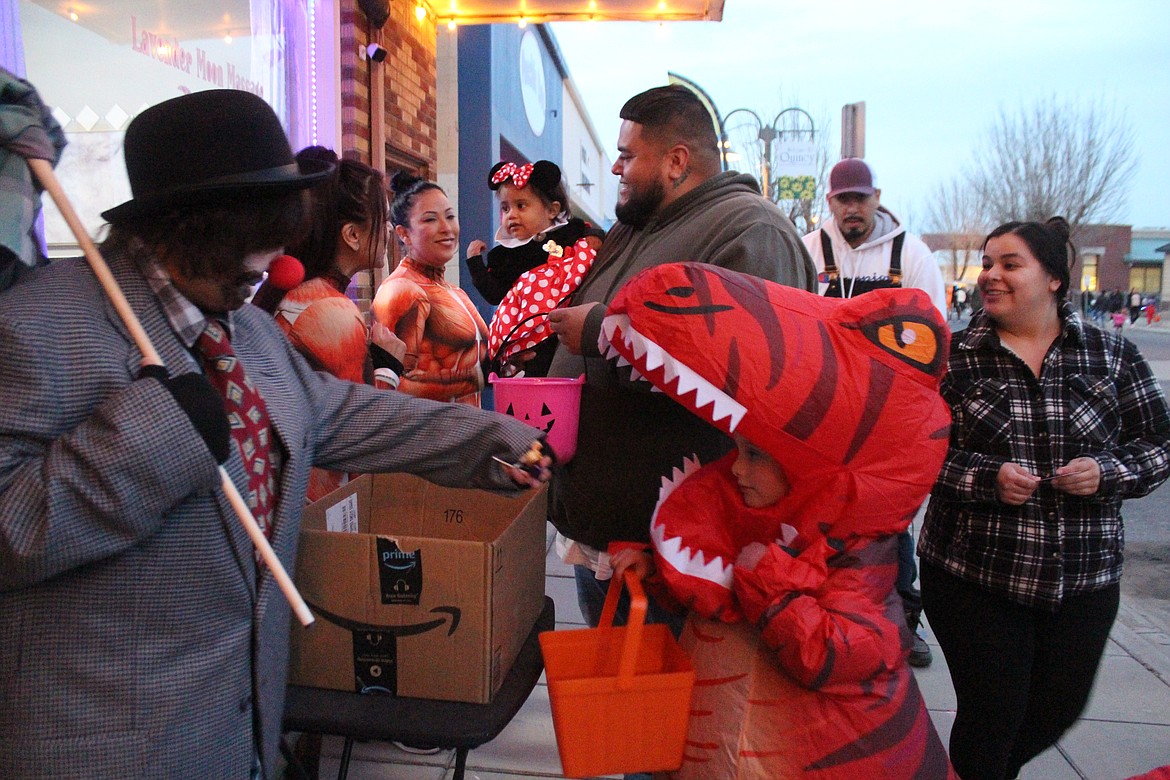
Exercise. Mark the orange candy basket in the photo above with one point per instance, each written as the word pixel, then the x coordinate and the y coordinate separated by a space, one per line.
pixel 620 696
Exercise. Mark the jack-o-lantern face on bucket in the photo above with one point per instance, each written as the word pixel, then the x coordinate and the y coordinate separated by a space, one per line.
pixel 542 422
pixel 548 404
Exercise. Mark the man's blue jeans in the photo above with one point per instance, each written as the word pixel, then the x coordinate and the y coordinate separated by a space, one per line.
pixel 907 574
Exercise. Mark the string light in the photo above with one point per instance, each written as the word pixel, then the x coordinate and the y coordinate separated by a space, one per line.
pixel 451 24
pixel 313 71
pixel 420 12
pixel 228 39
pixel 73 17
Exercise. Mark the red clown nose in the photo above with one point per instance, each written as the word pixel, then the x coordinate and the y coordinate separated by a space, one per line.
pixel 286 272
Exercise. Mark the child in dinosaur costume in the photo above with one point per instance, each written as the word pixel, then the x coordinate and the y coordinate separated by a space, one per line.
pixel 840 398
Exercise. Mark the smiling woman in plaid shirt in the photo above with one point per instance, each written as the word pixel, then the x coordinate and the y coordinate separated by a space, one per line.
pixel 1055 422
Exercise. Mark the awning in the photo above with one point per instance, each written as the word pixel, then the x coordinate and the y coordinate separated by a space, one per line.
pixel 540 11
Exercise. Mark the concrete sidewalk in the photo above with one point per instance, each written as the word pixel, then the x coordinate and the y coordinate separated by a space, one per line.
pixel 1124 731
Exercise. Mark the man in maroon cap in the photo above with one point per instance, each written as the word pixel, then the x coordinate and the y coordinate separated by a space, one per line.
pixel 864 247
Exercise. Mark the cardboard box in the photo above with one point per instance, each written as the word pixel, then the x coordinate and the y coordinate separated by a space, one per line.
pixel 418 590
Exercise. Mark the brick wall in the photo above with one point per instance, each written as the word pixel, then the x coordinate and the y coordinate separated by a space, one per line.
pixel 410 87
pixel 1112 272
pixel 355 89
pixel 409 73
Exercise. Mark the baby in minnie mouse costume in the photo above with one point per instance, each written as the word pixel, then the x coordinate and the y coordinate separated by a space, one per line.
pixel 540 255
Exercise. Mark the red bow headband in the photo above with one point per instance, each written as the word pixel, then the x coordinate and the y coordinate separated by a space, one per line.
pixel 518 173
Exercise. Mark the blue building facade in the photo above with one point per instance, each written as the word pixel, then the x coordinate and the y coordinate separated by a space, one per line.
pixel 510 108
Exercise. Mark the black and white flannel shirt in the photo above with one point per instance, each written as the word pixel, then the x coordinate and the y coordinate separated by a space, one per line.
pixel 1095 397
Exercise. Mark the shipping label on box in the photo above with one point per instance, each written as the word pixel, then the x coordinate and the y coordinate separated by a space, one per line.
pixel 432 596
pixel 342 517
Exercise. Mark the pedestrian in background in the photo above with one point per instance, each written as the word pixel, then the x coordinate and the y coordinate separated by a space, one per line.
pixel 864 247
pixel 960 299
pixel 1055 422
pixel 1135 305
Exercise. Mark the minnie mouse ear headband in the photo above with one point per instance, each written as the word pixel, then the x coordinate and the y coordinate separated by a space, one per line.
pixel 544 175
pixel 207 147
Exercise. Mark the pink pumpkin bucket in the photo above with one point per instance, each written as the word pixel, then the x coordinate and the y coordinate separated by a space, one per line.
pixel 549 404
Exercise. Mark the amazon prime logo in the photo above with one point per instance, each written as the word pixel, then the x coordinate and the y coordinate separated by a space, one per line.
pixel 400 573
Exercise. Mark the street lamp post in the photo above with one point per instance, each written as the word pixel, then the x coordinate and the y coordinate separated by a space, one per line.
pixel 788 122
pixel 767 135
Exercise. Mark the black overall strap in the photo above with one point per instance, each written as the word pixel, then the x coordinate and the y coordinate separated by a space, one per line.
pixel 827 251
pixel 896 259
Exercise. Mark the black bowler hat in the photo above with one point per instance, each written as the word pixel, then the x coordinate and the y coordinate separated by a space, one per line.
pixel 207 147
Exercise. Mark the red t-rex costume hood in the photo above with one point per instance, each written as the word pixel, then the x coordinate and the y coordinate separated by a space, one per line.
pixel 843 394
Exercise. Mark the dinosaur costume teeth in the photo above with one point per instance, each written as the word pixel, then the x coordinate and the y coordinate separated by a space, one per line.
pixel 644 357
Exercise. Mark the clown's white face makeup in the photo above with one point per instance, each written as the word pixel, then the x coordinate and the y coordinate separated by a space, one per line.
pixel 226 289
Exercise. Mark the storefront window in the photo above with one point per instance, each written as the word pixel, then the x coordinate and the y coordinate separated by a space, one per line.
pixel 98 64
pixel 1146 279
pixel 1089 271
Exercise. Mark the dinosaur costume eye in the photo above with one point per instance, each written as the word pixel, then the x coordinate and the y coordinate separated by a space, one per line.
pixel 908 339
pixel 701 304
pixel 911 340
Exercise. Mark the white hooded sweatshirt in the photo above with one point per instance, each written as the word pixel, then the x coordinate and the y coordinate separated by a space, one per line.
pixel 870 261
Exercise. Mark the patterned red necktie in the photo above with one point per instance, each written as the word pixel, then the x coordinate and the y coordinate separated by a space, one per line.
pixel 248 418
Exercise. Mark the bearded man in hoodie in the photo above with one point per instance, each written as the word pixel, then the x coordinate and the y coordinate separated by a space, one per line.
pixel 674 204
pixel 864 247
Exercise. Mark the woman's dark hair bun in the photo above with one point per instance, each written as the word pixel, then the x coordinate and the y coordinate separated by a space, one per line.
pixel 1059 226
pixel 321 153
pixel 403 180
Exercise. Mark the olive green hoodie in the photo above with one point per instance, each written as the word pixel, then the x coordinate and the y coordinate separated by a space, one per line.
pixel 629 438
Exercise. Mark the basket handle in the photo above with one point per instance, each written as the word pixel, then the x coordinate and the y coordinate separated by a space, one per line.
pixel 507 340
pixel 633 637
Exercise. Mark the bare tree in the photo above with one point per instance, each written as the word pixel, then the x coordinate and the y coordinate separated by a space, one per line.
pixel 952 211
pixel 1054 158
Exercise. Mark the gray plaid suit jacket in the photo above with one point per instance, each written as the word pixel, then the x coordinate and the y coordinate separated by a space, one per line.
pixel 135 640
